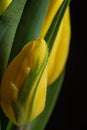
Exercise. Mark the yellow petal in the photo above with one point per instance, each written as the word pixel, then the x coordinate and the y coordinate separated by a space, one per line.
pixel 23 86
pixel 53 8
pixel 3 5
pixel 40 96
pixel 59 53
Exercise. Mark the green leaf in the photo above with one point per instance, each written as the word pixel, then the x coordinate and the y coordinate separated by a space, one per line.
pixel 30 24
pixel 8 25
pixel 10 126
pixel 52 95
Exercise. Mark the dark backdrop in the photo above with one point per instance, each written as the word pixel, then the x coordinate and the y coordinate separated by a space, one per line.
pixel 70 112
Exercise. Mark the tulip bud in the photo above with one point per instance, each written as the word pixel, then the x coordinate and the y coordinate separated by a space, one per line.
pixel 23 86
pixel 59 51
pixel 3 5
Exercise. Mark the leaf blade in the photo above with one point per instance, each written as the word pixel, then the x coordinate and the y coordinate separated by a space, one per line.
pixel 52 95
pixel 8 25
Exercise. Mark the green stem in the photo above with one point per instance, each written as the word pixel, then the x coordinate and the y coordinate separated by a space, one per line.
pixel 25 127
pixel 11 126
pixel 20 128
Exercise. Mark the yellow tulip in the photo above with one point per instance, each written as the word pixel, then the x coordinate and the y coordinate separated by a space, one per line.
pixel 59 52
pixel 3 5
pixel 23 86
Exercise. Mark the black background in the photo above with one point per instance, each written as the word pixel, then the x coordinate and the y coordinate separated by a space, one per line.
pixel 70 112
